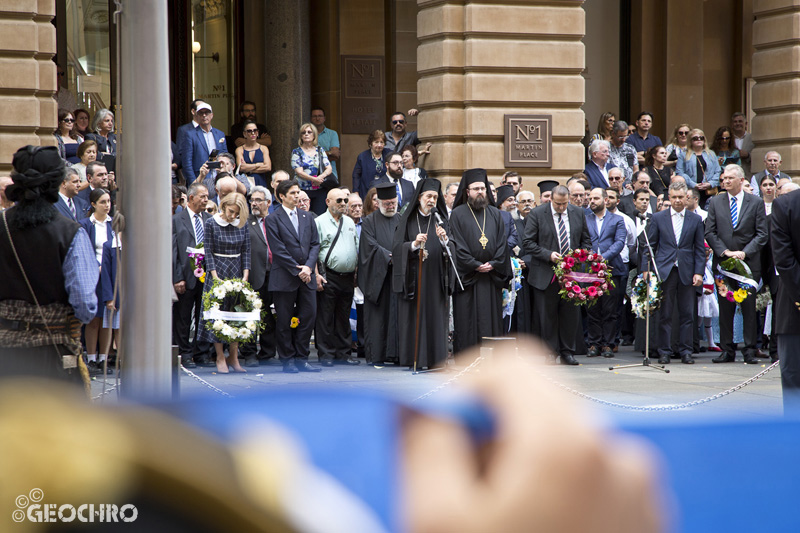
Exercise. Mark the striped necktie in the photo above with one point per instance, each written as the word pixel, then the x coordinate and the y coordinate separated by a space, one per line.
pixel 563 238
pixel 72 208
pixel 198 229
pixel 734 212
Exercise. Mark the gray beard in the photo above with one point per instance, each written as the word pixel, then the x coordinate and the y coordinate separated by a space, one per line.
pixel 478 203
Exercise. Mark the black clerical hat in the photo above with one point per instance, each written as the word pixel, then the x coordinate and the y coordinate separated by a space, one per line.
pixel 386 191
pixel 473 175
pixel 547 186
pixel 503 193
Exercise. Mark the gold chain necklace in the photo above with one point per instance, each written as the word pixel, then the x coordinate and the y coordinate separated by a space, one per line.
pixel 483 240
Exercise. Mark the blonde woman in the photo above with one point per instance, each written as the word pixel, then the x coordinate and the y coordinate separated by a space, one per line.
pixel 699 166
pixel 311 167
pixel 604 126
pixel 227 250
pixel 677 144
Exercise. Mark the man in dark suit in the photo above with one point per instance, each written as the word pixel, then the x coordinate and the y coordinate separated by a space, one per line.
pixel 99 177
pixel 676 237
pixel 394 174
pixel 551 230
pixel 68 203
pixel 608 235
pixel 196 145
pixel 736 226
pixel 260 264
pixel 772 168
pixel 294 242
pixel 785 241
pixel 188 232
pixel 641 181
pixel 598 166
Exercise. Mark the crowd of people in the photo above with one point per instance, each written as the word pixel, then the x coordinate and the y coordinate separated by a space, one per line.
pixel 425 271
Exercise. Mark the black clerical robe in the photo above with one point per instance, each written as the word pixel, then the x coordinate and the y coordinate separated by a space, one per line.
pixel 437 285
pixel 375 281
pixel 478 309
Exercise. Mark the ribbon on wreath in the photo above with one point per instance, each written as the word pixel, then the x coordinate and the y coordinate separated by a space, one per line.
pixel 585 277
pixel 741 279
pixel 234 316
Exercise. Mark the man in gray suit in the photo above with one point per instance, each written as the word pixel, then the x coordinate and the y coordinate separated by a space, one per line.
pixel 772 167
pixel 736 226
pixel 551 230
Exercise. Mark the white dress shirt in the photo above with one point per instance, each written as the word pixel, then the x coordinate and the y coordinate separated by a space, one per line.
pixel 566 222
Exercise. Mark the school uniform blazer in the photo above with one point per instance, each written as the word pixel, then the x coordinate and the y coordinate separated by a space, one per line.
pixel 290 249
pixel 91 229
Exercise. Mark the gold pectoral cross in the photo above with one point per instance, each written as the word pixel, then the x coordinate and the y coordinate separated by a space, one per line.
pixel 483 240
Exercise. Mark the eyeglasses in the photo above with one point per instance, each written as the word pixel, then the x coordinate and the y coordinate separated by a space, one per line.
pixel 257 200
pixel 477 189
pixel 357 206
pixel 398 122
pixel 342 200
pixel 683 133
pixel 525 201
pixel 724 138
pixel 251 131
pixel 69 120
pixel 615 178
pixel 395 162
pixel 210 210
pixel 698 138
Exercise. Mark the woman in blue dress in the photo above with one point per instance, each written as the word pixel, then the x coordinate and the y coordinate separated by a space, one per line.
pixel 67 138
pixel 252 157
pixel 227 256
pixel 311 167
pixel 371 163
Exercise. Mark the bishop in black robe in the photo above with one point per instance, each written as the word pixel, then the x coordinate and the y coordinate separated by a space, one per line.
pixel 375 276
pixel 437 282
pixel 482 261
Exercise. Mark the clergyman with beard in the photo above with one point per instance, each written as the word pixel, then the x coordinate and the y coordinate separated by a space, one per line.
pixel 420 234
pixel 375 272
pixel 482 260
pixel 394 175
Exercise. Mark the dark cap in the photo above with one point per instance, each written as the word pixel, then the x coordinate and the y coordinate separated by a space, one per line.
pixel 386 191
pixel 474 175
pixel 430 184
pixel 547 186
pixel 504 192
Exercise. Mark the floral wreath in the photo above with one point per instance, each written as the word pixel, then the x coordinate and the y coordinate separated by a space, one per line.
pixel 644 294
pixel 196 256
pixel 734 273
pixel 584 277
pixel 243 321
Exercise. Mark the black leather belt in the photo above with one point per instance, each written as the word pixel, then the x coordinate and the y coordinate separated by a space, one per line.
pixel 340 274
pixel 22 325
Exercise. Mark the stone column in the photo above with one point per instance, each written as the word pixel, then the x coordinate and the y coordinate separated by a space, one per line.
pixel 478 61
pixel 776 95
pixel 287 75
pixel 27 45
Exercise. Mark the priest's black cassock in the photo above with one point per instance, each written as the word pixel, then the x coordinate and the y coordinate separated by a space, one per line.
pixel 478 309
pixel 437 283
pixel 375 281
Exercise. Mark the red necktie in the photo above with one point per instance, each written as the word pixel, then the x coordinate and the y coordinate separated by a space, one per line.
pixel 264 227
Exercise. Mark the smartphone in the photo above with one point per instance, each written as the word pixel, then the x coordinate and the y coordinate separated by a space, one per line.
pixel 213 164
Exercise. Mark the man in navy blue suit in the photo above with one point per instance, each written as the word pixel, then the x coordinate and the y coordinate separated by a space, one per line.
pixel 69 204
pixel 294 242
pixel 597 168
pixel 608 234
pixel 676 237
pixel 394 174
pixel 196 145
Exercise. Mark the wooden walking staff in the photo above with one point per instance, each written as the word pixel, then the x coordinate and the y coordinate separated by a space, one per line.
pixel 419 303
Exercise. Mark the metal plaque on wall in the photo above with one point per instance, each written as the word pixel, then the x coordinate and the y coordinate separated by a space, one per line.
pixel 528 140
pixel 363 94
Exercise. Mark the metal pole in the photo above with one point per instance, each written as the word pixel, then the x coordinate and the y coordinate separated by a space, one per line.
pixel 143 170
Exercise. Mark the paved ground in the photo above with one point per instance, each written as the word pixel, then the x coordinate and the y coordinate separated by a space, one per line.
pixel 636 386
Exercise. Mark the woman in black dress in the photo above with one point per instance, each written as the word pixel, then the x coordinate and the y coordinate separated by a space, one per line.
pixel 227 256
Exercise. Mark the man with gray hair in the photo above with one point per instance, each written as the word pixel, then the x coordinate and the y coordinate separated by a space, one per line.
pixel 598 166
pixel 277 177
pixel 736 226
pixel 227 165
pixel 676 238
pixel 260 264
pixel 622 154
pixel 772 168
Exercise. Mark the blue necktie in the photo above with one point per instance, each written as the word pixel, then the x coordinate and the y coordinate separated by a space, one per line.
pixel 198 229
pixel 734 212
pixel 399 193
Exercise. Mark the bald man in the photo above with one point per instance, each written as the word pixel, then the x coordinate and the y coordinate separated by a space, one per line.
pixel 225 186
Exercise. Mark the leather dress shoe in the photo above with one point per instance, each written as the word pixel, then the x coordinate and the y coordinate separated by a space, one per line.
pixel 350 361
pixel 752 360
pixel 305 367
pixel 687 359
pixel 663 359
pixel 188 362
pixel 250 361
pixel 607 352
pixel 773 358
pixel 593 351
pixel 290 368
pixel 724 358
pixel 327 363
pixel 569 360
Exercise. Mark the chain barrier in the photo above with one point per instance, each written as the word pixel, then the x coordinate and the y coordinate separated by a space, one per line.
pixel 452 380
pixel 106 391
pixel 644 408
pixel 204 382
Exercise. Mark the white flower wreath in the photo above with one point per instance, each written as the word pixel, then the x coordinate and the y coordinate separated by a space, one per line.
pixel 243 321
